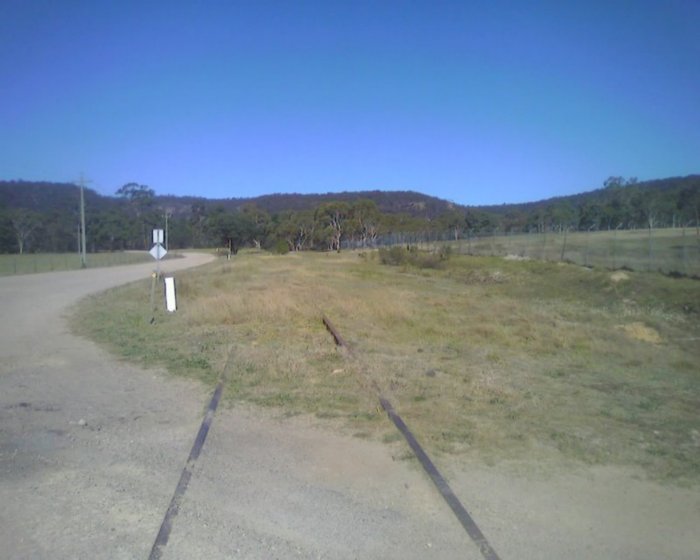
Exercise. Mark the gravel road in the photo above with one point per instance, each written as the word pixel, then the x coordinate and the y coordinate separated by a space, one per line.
pixel 91 449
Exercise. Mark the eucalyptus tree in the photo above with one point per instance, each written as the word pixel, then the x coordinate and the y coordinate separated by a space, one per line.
pixel 365 221
pixel 332 217
pixel 297 229
pixel 453 221
pixel 233 229
pixel 141 201
pixel 25 224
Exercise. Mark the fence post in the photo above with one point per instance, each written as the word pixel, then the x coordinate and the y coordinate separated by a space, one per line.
pixel 563 247
pixel 543 256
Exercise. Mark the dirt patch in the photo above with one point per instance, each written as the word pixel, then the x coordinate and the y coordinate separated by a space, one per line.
pixel 619 276
pixel 485 277
pixel 639 331
pixel 515 258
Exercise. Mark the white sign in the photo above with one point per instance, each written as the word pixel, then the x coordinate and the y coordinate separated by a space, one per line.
pixel 158 251
pixel 157 236
pixel 170 302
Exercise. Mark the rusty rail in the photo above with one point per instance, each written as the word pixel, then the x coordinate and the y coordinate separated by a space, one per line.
pixel 461 513
pixel 339 341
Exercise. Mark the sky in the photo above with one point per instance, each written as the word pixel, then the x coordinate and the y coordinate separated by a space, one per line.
pixel 476 102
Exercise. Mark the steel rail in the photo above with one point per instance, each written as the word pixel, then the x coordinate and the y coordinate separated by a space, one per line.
pixel 463 516
pixel 186 475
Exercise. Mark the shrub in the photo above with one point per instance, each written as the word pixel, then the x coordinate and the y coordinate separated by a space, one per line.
pixel 281 247
pixel 394 256
pixel 399 255
pixel 445 252
pixel 426 260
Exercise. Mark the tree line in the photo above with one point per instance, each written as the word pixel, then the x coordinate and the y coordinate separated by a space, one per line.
pixel 44 217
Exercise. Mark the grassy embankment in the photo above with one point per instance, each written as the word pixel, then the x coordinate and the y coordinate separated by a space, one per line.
pixel 31 263
pixel 485 358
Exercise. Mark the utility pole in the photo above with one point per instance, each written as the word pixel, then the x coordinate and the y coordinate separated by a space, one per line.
pixel 83 237
pixel 167 212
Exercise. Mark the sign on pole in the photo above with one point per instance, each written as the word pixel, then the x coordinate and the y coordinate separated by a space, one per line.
pixel 158 251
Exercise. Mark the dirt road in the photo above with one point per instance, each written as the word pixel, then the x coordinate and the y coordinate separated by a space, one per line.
pixel 91 450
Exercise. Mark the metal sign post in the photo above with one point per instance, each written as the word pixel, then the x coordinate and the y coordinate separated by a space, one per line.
pixel 158 251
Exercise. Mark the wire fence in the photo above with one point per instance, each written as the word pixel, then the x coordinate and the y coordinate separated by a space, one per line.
pixel 671 250
pixel 30 263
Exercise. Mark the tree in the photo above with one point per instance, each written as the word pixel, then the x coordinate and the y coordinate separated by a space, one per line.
pixel 141 200
pixel 365 218
pixel 107 230
pixel 560 215
pixel 478 221
pixel 7 236
pixel 179 232
pixel 297 229
pixel 614 182
pixel 515 220
pixel 198 220
pixel 590 215
pixel 454 221
pixel 234 229
pixel 24 225
pixel 333 215
pixel 260 220
pixel 689 205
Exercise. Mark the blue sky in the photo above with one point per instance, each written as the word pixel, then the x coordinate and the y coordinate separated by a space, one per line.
pixel 479 102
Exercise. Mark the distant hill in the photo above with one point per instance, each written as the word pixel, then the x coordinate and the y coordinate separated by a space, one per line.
pixel 43 216
pixel 601 195
pixel 45 196
pixel 414 204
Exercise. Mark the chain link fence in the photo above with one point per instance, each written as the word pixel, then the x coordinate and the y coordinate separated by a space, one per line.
pixel 30 263
pixel 671 250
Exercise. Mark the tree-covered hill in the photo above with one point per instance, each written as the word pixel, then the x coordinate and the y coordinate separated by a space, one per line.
pixel 620 204
pixel 411 203
pixel 44 216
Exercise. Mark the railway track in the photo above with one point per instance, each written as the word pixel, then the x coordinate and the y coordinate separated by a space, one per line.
pixel 441 484
pixel 463 516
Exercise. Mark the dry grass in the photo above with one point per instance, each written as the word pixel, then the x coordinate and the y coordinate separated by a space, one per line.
pixel 485 358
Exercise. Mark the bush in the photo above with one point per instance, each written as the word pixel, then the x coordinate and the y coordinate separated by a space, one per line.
pixel 399 255
pixel 445 252
pixel 393 256
pixel 426 260
pixel 281 247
